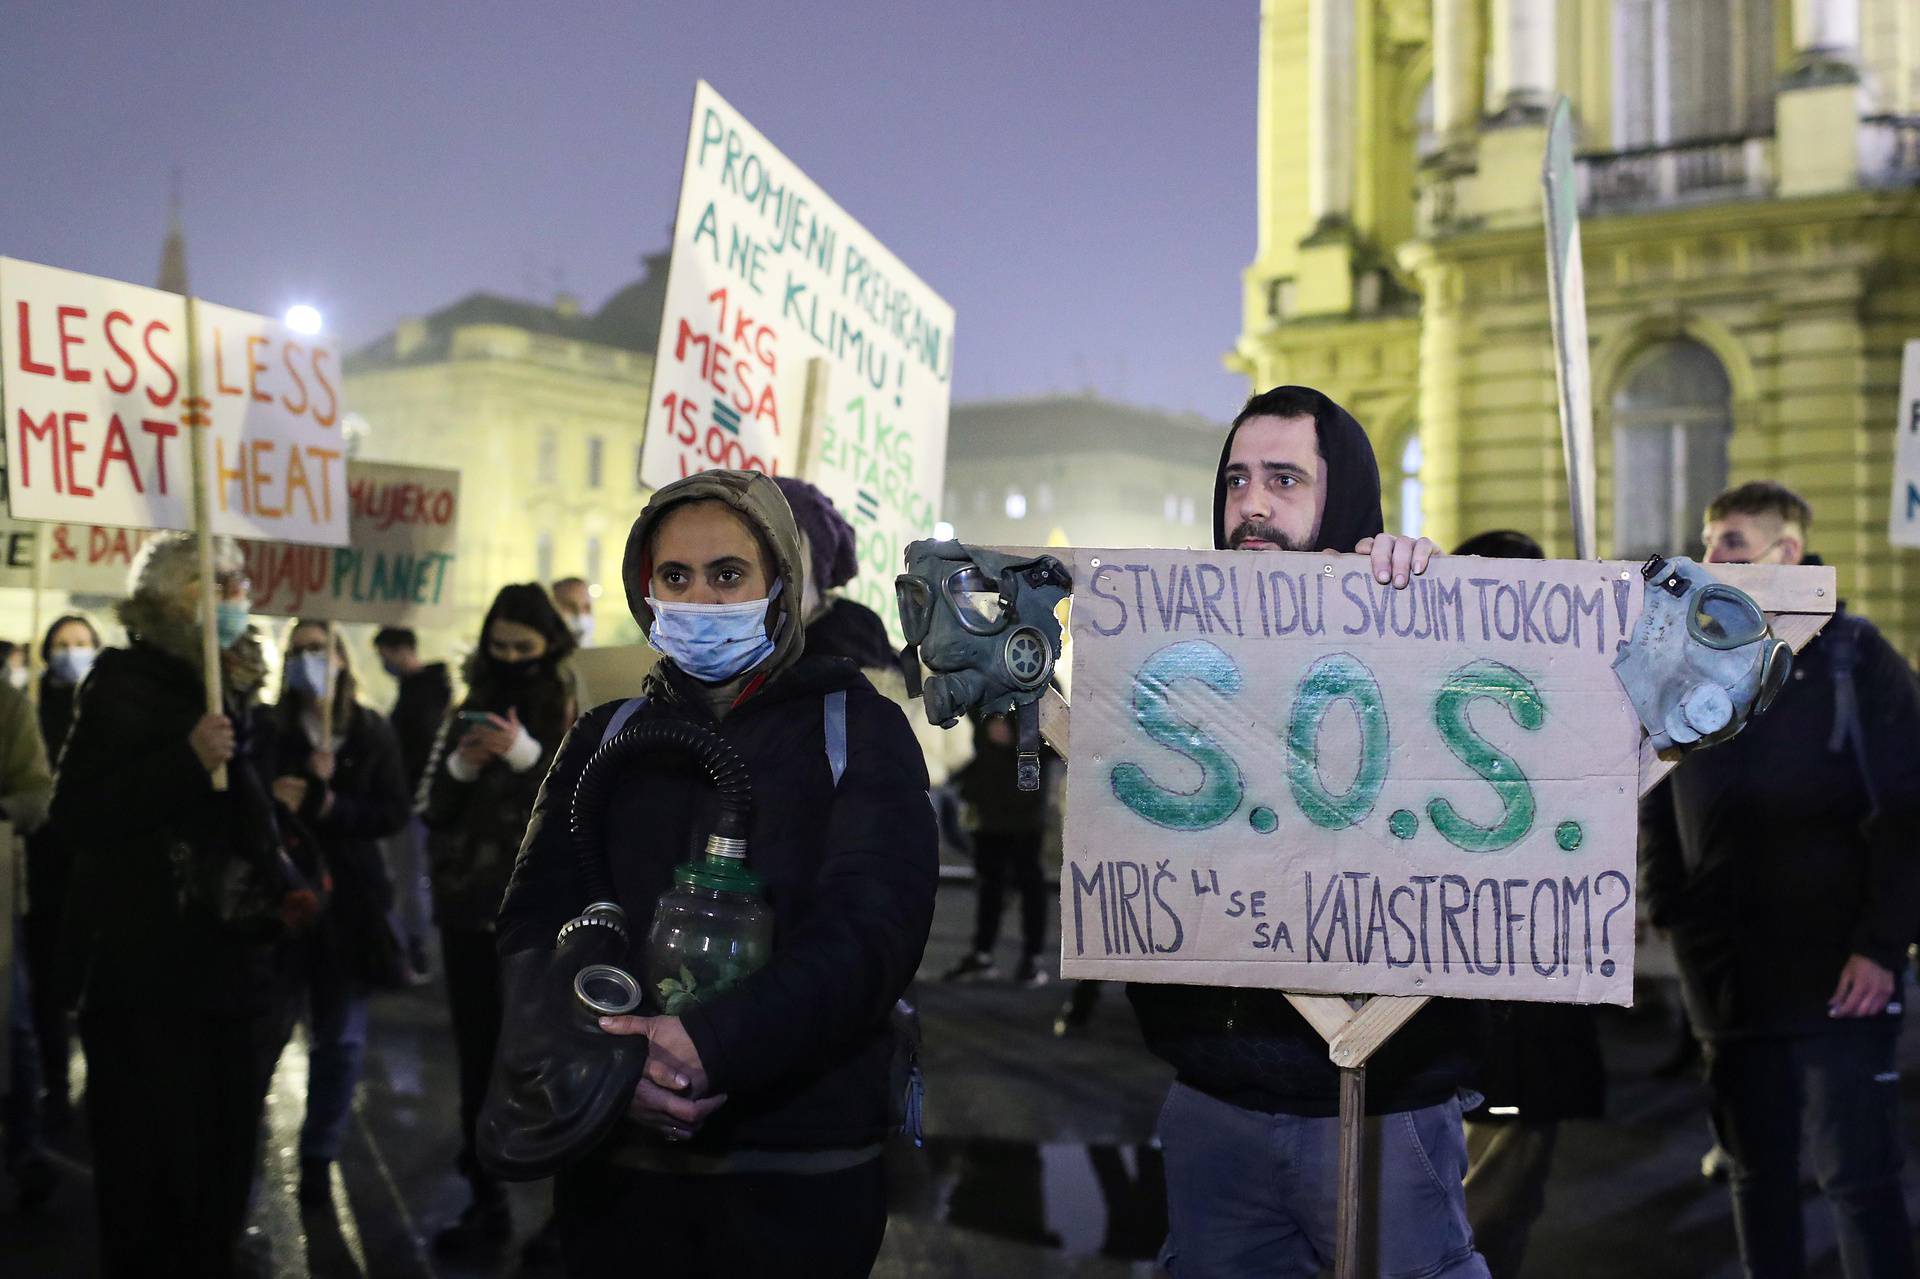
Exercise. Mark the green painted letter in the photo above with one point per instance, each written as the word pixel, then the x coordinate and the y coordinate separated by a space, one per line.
pixel 1508 687
pixel 1334 678
pixel 1220 789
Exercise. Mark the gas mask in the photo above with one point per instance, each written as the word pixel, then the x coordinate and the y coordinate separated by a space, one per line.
pixel 983 623
pixel 1702 660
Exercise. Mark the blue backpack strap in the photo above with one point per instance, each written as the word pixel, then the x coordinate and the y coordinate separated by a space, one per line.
pixel 627 710
pixel 835 714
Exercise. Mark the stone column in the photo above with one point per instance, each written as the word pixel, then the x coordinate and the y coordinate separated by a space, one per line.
pixel 1330 76
pixel 1454 45
pixel 1521 58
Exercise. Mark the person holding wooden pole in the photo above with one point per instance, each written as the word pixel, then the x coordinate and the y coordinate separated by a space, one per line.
pixel 184 890
pixel 1261 1129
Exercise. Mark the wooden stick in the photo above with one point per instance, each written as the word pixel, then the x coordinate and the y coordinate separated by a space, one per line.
pixel 199 419
pixel 1352 1176
pixel 813 415
pixel 40 552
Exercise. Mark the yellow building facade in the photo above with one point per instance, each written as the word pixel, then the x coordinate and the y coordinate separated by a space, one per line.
pixel 1750 208
pixel 541 410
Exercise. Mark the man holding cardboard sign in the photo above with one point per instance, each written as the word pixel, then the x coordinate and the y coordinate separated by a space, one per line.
pixel 1255 1104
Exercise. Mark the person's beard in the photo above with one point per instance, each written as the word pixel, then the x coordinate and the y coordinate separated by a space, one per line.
pixel 1250 530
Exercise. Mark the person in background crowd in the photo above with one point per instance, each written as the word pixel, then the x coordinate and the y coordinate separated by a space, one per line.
pixel 180 893
pixel 425 693
pixel 753 1142
pixel 574 598
pixel 491 757
pixel 1539 1064
pixel 841 627
pixel 1007 825
pixel 1250 1126
pixel 339 788
pixel 13 658
pixel 26 787
pixel 66 653
pixel 1786 863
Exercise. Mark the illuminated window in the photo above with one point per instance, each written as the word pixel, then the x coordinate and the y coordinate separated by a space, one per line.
pixel 543 556
pixel 1691 69
pixel 596 450
pixel 1016 505
pixel 1672 419
pixel 546 468
pixel 593 559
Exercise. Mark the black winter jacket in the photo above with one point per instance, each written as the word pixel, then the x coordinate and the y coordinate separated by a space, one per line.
pixel 370 801
pixel 1760 856
pixel 132 797
pixel 417 715
pixel 475 828
pixel 803 1046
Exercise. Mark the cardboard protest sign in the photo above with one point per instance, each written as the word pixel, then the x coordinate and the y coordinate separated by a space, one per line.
pixel 1903 528
pixel 1286 775
pixel 768 275
pixel 94 380
pixel 396 569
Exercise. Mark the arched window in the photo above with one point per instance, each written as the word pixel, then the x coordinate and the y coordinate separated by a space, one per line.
pixel 1410 489
pixel 1672 416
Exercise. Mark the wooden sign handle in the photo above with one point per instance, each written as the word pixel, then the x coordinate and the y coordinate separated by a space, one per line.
pixel 197 419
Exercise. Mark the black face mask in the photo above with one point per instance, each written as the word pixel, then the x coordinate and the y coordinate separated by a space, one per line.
pixel 517 672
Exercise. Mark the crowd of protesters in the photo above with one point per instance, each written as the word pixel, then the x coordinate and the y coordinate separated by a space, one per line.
pixel 198 883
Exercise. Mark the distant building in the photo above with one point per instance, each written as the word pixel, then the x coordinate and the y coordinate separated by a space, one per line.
pixel 1752 254
pixel 1078 470
pixel 540 408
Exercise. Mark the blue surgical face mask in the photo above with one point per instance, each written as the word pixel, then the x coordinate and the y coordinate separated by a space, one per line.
pixel 307 673
pixel 712 642
pixel 70 665
pixel 230 621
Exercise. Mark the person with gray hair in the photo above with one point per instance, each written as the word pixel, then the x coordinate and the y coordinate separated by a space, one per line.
pixel 184 891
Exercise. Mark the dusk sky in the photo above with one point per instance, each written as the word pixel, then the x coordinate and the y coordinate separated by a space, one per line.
pixel 1076 179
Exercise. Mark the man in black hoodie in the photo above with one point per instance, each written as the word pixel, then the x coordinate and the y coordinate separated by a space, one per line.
pixel 1251 1125
pixel 1787 864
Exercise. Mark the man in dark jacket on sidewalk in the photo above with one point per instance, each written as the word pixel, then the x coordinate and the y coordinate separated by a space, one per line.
pixel 1786 862
pixel 752 1146
pixel 1251 1126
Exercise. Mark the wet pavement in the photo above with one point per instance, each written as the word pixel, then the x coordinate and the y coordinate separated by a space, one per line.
pixel 1039 1159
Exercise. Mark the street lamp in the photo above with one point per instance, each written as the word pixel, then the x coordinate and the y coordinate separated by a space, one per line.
pixel 302 318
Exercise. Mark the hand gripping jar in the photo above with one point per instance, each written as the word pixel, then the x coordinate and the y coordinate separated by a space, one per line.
pixel 710 930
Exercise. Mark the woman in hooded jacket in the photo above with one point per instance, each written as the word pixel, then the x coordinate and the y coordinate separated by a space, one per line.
pixel 339 789
pixel 67 652
pixel 494 749
pixel 752 1144
pixel 180 893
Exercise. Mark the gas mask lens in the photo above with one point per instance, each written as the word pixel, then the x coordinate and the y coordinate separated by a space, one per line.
pixel 976 600
pixel 1723 617
pixel 916 607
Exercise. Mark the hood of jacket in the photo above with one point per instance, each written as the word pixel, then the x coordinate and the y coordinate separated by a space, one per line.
pixel 1347 469
pixel 757 499
pixel 244 662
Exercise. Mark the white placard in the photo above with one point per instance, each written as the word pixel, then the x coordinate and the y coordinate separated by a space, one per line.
pixel 94 384
pixel 768 274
